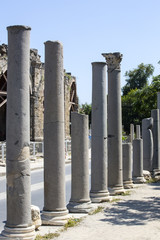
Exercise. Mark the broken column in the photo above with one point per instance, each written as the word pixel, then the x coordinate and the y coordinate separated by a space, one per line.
pixel 127 165
pixel 156 142
pixel 80 201
pixel 138 158
pixel 19 222
pixel 54 211
pixel 99 190
pixel 115 171
pixel 147 137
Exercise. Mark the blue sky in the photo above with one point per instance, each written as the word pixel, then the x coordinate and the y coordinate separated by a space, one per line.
pixel 88 28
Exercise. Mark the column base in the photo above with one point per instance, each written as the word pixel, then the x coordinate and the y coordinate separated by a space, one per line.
pixel 27 233
pixel 156 173
pixel 116 190
pixel 100 196
pixel 127 184
pixel 139 180
pixel 59 218
pixel 78 207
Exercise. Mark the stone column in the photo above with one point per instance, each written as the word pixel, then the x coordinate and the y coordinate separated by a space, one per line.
pixel 156 141
pixel 54 211
pixel 158 100
pixel 127 165
pixel 115 171
pixel 80 200
pixel 147 137
pixel 131 132
pixel 138 132
pixel 138 161
pixel 99 190
pixel 19 223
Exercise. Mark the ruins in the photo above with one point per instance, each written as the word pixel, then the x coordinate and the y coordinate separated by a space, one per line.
pixel 36 95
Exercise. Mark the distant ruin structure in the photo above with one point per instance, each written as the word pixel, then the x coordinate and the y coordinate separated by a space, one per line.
pixel 36 95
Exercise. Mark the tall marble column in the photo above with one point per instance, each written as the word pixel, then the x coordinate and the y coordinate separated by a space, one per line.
pixel 156 142
pixel 99 190
pixel 80 201
pixel 115 170
pixel 147 124
pixel 54 211
pixel 19 223
pixel 127 165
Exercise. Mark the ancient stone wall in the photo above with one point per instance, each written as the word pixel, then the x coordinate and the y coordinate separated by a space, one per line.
pixel 37 95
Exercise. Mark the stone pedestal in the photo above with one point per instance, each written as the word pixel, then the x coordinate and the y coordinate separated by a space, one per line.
pixel 127 165
pixel 147 137
pixel 156 142
pixel 54 211
pixel 99 190
pixel 115 171
pixel 138 161
pixel 80 200
pixel 19 222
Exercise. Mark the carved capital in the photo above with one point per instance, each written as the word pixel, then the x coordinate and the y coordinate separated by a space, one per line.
pixel 113 60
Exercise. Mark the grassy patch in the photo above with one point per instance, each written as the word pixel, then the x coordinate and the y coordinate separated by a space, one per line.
pixel 97 210
pixel 115 200
pixel 152 180
pixel 126 193
pixel 72 222
pixel 47 236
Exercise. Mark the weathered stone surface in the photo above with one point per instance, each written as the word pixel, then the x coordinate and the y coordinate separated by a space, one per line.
pixel 115 169
pixel 18 136
pixel 127 165
pixel 54 164
pixel 80 201
pixel 138 161
pixel 99 184
pixel 36 218
pixel 37 95
pixel 156 141
pixel 147 137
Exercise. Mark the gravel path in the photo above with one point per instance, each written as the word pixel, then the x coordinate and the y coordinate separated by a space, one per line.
pixel 135 217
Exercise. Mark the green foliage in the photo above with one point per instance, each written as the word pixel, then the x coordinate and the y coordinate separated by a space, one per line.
pixel 47 236
pixel 86 109
pixel 137 78
pixel 138 103
pixel 97 210
pixel 72 222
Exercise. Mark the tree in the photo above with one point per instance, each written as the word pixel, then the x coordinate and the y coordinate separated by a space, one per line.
pixel 138 103
pixel 137 78
pixel 86 109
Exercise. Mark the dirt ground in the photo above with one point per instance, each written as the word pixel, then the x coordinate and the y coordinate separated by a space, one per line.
pixel 135 216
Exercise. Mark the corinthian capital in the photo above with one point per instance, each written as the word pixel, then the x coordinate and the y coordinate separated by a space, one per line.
pixel 113 60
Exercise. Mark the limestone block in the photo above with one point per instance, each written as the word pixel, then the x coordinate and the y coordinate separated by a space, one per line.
pixel 36 218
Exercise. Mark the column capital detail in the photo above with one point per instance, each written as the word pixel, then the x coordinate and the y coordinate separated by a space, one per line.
pixel 113 60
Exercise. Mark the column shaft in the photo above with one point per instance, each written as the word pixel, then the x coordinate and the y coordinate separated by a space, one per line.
pixel 127 165
pixel 18 135
pixel 99 190
pixel 115 171
pixel 54 155
pixel 156 141
pixel 147 137
pixel 138 161
pixel 80 201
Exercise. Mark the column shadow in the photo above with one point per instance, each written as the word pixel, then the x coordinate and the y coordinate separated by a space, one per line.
pixel 133 212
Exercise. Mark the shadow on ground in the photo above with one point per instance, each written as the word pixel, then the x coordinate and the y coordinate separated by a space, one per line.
pixel 133 212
